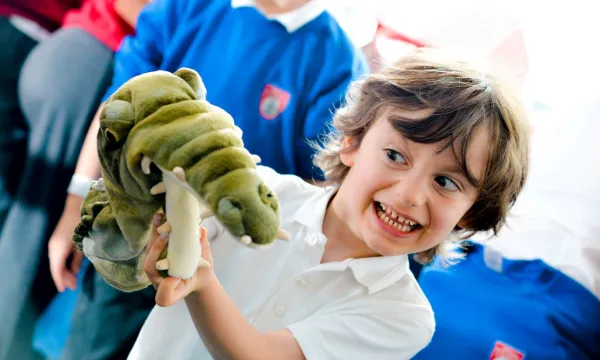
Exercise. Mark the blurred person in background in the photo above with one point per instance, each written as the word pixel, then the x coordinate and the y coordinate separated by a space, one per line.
pixel 22 25
pixel 278 67
pixel 58 87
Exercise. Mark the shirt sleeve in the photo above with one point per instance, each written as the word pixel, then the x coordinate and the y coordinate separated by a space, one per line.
pixel 326 96
pixel 143 52
pixel 380 336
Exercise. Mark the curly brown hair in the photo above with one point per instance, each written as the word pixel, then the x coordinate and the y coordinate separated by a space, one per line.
pixel 464 97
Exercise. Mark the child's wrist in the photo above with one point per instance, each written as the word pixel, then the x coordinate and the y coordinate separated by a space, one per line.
pixel 205 283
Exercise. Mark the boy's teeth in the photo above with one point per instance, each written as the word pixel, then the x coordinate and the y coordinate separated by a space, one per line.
pixel 394 220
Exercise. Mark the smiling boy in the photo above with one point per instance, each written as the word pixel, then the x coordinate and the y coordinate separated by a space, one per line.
pixel 428 149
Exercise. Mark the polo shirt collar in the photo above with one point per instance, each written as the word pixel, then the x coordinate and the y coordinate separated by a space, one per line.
pixel 291 20
pixel 378 273
pixel 312 211
pixel 375 273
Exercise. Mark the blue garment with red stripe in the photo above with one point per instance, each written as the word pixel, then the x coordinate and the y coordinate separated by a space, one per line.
pixel 527 309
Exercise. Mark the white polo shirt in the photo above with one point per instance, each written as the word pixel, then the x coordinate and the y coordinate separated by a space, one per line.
pixel 355 309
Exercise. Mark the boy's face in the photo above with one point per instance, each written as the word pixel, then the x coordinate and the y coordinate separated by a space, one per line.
pixel 404 197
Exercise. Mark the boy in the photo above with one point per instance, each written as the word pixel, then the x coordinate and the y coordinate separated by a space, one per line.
pixel 278 67
pixel 429 148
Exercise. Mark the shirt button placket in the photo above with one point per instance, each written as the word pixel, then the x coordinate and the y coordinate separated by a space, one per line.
pixel 279 310
pixel 302 282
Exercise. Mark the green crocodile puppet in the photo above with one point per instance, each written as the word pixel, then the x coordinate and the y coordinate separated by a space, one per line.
pixel 164 148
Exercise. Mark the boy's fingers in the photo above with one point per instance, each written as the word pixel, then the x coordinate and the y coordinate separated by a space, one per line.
pixel 58 267
pixel 170 291
pixel 156 221
pixel 204 243
pixel 152 256
pixel 76 262
pixel 69 281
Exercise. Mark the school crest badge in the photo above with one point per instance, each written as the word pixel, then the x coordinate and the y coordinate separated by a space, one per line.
pixel 503 351
pixel 273 101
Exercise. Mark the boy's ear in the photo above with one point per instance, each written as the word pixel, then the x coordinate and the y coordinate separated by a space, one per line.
pixel 462 225
pixel 347 155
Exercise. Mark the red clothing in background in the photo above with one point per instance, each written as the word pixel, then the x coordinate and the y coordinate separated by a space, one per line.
pixel 47 13
pixel 98 17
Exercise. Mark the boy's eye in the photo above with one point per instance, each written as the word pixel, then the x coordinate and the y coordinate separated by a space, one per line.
pixel 446 183
pixel 395 156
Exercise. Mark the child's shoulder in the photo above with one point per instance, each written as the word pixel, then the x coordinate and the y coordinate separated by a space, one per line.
pixel 412 304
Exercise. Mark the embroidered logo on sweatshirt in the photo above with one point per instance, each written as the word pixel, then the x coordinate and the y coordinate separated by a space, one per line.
pixel 503 351
pixel 273 101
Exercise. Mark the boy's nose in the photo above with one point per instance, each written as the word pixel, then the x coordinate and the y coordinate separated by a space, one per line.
pixel 411 191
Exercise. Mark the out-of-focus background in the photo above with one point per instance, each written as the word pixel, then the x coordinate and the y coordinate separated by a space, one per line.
pixel 538 281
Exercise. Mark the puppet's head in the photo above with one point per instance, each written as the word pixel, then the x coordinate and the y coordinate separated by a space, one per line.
pixel 160 121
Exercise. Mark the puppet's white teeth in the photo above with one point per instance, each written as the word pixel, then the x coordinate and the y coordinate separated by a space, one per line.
pixel 246 240
pixel 283 235
pixel 99 185
pixel 146 165
pixel 162 264
pixel 178 171
pixel 159 188
pixel 164 228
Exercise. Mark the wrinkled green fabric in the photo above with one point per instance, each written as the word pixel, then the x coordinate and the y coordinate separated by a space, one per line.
pixel 164 116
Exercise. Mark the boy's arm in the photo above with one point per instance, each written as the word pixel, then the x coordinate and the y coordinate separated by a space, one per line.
pixel 138 54
pixel 378 329
pixel 129 10
pixel 228 335
pixel 60 244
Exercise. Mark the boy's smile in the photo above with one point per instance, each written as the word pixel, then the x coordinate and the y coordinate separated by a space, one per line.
pixel 400 196
pixel 394 221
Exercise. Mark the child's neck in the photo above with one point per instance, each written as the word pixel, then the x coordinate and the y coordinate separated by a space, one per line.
pixel 270 7
pixel 342 243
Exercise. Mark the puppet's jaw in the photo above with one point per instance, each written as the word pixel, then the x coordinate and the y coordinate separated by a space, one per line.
pixel 185 212
pixel 184 253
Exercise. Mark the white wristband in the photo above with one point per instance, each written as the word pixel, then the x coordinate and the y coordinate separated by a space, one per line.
pixel 80 185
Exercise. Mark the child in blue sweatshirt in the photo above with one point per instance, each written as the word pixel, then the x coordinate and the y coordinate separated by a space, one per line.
pixel 280 68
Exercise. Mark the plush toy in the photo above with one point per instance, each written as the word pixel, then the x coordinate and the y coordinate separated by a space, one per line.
pixel 164 148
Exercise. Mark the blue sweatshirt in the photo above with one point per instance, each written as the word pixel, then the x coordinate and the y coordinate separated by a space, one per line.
pixel 280 87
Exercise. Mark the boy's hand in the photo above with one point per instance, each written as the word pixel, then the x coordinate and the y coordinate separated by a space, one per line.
pixel 169 289
pixel 60 247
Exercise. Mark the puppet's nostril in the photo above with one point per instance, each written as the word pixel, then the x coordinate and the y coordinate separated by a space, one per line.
pixel 111 135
